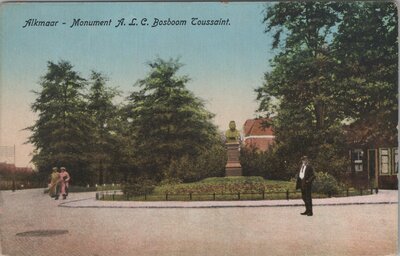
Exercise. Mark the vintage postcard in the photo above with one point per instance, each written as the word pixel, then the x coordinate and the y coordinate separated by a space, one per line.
pixel 199 128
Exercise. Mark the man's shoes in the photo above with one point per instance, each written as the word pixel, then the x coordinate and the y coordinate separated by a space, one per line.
pixel 310 214
pixel 56 198
pixel 304 213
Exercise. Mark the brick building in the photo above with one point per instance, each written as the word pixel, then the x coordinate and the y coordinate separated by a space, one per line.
pixel 257 134
pixel 374 158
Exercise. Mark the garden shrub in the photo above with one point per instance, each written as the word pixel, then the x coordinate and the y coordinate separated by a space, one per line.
pixel 325 183
pixel 139 186
pixel 210 163
pixel 332 160
pixel 170 181
pixel 266 164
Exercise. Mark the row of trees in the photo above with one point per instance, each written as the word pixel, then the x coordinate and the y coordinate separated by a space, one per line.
pixel 157 128
pixel 333 83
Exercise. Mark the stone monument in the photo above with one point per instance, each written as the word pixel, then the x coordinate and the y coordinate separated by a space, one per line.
pixel 233 167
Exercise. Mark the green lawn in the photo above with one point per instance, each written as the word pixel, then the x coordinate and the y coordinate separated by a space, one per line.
pixel 217 188
pixel 227 185
pixel 223 189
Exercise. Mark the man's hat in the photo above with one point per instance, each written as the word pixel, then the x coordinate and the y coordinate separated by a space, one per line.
pixel 55 168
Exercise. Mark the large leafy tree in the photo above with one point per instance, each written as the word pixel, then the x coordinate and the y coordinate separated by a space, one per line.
pixel 60 134
pixel 123 159
pixel 167 120
pixel 301 78
pixel 300 89
pixel 103 113
pixel 336 63
pixel 367 47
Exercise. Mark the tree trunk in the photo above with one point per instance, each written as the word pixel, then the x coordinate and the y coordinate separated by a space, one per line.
pixel 101 174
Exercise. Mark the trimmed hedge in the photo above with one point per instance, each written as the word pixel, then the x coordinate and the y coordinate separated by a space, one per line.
pixel 325 183
pixel 139 186
pixel 226 185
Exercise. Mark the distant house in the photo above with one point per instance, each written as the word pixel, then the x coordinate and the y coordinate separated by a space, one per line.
pixel 374 159
pixel 12 177
pixel 257 134
pixel 6 168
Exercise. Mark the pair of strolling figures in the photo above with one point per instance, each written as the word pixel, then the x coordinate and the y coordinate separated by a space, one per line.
pixel 59 183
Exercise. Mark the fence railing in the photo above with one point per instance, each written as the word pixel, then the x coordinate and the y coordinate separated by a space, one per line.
pixel 118 195
pixel 17 185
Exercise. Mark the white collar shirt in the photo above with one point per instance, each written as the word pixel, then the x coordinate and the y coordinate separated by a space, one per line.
pixel 302 171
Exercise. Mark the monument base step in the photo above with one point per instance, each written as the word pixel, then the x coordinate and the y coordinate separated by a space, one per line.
pixel 233 172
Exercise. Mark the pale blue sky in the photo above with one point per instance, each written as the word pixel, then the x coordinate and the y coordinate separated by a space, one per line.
pixel 225 63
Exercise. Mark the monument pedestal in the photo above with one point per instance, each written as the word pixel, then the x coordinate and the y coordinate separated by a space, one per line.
pixel 233 167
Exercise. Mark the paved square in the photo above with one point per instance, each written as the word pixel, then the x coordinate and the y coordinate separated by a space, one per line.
pixel 33 224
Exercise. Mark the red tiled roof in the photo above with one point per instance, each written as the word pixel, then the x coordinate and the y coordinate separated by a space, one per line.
pixel 254 127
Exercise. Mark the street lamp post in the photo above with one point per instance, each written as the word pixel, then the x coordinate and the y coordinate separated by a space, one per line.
pixel 14 170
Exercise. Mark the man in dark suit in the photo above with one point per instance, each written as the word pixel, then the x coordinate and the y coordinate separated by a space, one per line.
pixel 304 182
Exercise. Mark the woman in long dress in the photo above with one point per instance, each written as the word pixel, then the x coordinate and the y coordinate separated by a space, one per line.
pixel 55 179
pixel 64 177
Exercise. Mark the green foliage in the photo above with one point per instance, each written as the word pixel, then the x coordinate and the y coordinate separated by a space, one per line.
pixel 233 179
pixel 331 160
pixel 61 133
pixel 76 128
pixel 139 186
pixel 221 185
pixel 325 183
pixel 336 64
pixel 170 181
pixel 367 47
pixel 300 90
pixel 263 163
pixel 167 120
pixel 161 129
pixel 123 159
pixel 103 134
pixel 183 168
pixel 209 163
pixel 302 24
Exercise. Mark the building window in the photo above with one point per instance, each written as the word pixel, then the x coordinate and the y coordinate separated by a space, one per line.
pixel 384 166
pixel 358 160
